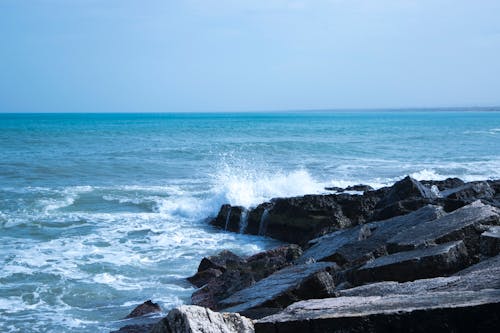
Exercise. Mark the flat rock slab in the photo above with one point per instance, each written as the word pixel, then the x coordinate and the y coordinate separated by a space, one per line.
pixel 362 243
pixel 435 312
pixel 428 262
pixel 196 319
pixel 461 224
pixel 283 287
pixel 484 275
pixel 490 241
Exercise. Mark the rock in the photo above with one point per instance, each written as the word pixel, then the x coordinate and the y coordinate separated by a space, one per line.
pixel 136 328
pixel 195 319
pixel 213 266
pixel 229 218
pixel 407 188
pixel 462 224
pixel 443 185
pixel 243 273
pixel 202 278
pixel 362 243
pixel 299 219
pixel 428 262
pixel 334 188
pixel 470 192
pixel 435 312
pixel 283 288
pixel 490 241
pixel 359 187
pixel 145 308
pixel 484 275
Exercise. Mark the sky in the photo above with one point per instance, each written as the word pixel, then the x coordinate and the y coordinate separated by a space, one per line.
pixel 247 55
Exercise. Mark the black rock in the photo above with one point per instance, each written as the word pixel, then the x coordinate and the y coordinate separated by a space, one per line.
pixel 459 312
pixel 244 273
pixel 283 288
pixel 439 260
pixel 462 224
pixel 145 308
pixel 357 245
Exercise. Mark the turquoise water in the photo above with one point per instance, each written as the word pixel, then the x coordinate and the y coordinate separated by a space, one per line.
pixel 99 212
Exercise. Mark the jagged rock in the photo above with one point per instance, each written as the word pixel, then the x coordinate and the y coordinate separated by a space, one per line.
pixel 202 278
pixel 362 243
pixel 484 275
pixel 434 312
pixel 470 192
pixel 241 273
pixel 443 185
pixel 462 224
pixel 334 188
pixel 428 262
pixel 195 319
pixel 359 187
pixel 229 218
pixel 490 241
pixel 136 328
pixel 407 188
pixel 299 219
pixel 144 309
pixel 283 288
pixel 213 266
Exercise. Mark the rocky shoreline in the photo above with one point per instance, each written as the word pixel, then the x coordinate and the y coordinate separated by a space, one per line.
pixel 415 256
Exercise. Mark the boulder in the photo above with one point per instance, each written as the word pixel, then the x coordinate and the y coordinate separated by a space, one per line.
pixel 428 262
pixel 443 185
pixel 462 224
pixel 283 288
pixel 458 312
pixel 470 192
pixel 229 218
pixel 362 243
pixel 490 241
pixel 299 219
pixel 405 189
pixel 239 273
pixel 195 319
pixel 359 187
pixel 483 275
pixel 145 308
pixel 213 266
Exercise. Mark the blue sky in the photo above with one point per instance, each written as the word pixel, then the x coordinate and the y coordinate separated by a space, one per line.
pixel 247 55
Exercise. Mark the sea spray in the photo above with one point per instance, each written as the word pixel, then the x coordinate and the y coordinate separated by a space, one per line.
pixel 227 218
pixel 243 221
pixel 263 222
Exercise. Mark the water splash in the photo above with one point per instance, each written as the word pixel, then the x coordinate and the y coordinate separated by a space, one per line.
pixel 227 218
pixel 243 221
pixel 263 222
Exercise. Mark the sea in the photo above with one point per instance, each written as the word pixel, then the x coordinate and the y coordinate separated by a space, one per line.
pixel 100 212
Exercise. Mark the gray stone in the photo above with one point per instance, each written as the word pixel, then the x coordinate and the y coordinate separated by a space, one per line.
pixel 362 243
pixel 462 224
pixel 490 241
pixel 283 288
pixel 484 275
pixel 428 262
pixel 435 312
pixel 195 319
